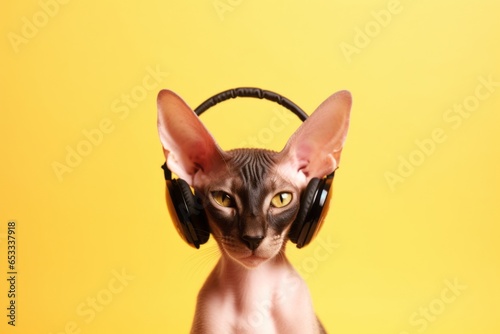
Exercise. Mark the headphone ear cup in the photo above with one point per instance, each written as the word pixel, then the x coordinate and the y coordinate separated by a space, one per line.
pixel 306 203
pixel 196 214
pixel 190 219
pixel 314 206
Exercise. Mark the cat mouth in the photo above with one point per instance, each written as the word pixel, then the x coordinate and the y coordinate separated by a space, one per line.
pixel 248 258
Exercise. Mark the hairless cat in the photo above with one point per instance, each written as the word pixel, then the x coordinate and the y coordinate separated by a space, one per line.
pixel 251 197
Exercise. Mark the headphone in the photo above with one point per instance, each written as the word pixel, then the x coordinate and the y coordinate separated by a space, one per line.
pixel 190 219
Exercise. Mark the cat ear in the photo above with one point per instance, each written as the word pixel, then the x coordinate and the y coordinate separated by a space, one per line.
pixel 188 146
pixel 314 149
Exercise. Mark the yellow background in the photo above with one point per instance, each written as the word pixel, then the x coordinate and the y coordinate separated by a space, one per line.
pixel 397 248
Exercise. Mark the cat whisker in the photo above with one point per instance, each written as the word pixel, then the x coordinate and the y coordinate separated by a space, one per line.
pixel 201 262
pixel 223 157
pixel 281 254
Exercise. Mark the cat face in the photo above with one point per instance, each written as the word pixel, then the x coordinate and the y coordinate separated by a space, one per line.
pixel 251 196
pixel 250 206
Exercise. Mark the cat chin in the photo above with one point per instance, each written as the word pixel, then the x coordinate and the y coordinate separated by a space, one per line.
pixel 252 261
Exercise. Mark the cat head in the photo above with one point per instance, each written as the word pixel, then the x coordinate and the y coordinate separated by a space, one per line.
pixel 251 196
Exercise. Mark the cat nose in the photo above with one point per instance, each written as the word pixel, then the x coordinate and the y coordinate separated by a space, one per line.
pixel 252 242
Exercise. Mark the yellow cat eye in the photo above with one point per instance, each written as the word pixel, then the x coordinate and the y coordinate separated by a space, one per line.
pixel 281 200
pixel 223 199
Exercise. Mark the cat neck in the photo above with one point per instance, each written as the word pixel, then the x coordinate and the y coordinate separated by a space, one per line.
pixel 274 282
pixel 238 277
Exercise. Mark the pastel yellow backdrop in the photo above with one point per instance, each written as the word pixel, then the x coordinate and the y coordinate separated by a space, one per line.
pixel 411 244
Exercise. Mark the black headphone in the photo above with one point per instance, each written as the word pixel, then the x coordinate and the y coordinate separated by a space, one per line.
pixel 190 219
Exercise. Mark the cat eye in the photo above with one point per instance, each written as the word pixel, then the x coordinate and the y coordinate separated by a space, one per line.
pixel 223 199
pixel 281 200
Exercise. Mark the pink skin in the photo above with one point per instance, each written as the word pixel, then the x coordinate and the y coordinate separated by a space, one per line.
pixel 253 291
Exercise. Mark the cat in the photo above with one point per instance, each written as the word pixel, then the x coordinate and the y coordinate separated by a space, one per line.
pixel 251 196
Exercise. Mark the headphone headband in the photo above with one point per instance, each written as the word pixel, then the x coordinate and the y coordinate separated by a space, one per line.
pixel 251 92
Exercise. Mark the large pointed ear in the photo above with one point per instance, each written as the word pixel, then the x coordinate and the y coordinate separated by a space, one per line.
pixel 188 146
pixel 314 149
